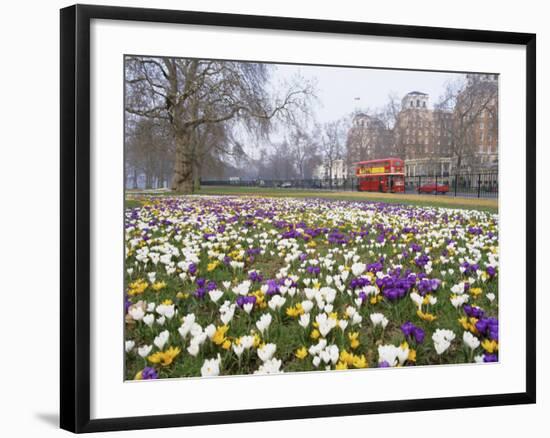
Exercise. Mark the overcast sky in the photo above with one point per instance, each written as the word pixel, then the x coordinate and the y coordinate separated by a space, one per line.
pixel 338 88
pixel 342 90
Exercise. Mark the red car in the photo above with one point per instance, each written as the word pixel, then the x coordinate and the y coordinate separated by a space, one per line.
pixel 433 188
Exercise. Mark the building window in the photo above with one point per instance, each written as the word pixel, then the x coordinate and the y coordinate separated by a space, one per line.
pixel 417 102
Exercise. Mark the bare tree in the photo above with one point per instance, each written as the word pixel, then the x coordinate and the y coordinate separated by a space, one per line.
pixel 467 101
pixel 192 93
pixel 149 152
pixel 304 147
pixel 332 145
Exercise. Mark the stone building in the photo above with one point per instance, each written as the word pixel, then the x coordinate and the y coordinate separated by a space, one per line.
pixel 426 137
pixel 483 154
pixel 368 138
pixel 339 170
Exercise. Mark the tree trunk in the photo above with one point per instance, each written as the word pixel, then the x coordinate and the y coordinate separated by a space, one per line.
pixel 197 177
pixel 182 180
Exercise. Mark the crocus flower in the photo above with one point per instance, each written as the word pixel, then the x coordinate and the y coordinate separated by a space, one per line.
pixel 211 367
pixel 470 340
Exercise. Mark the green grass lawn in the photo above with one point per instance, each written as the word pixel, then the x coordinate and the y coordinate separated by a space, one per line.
pixel 484 204
pixel 421 200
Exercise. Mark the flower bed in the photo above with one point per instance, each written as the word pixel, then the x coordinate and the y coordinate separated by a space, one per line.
pixel 242 285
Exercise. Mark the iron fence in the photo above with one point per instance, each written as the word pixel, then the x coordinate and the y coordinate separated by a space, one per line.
pixel 479 185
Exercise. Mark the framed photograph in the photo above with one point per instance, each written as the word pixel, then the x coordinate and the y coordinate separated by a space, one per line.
pixel 268 218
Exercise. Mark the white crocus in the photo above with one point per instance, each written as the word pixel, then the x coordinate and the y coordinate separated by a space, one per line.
pixel 402 353
pixel 358 268
pixel 458 288
pixel 149 319
pixel 264 322
pixel 266 352
pixel 166 310
pixel 356 319
pixel 246 341
pixel 379 319
pixel 145 350
pixel 470 340
pixel 193 349
pixel 307 305
pixel 276 302
pixel 248 307
pixel 388 354
pixel 210 330
pixel 304 320
pixel 211 367
pixel 137 313
pixel 442 340
pixel 187 325
pixel 129 345
pixel 215 295
pixel 272 366
pixel 417 299
pixel 459 300
pixel 161 340
pixel 238 349
pixel 326 324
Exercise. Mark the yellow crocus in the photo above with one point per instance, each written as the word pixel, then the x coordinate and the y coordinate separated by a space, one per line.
pixel 211 266
pixel 301 353
pixel 346 357
pixel 219 335
pixel 295 311
pixel 354 340
pixel 137 287
pixel 226 344
pixel 165 358
pixel 360 361
pixel 475 291
pixel 341 366
pixel 425 316
pixel 159 285
pixel 490 346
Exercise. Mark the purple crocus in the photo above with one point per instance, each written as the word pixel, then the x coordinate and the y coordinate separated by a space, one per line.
pixel 413 332
pixel 473 311
pixel 200 293
pixel 488 327
pixel 313 270
pixel 149 373
pixel 245 299
pixel 272 287
pixel 255 277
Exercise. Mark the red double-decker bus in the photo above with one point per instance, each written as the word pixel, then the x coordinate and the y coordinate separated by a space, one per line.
pixel 386 175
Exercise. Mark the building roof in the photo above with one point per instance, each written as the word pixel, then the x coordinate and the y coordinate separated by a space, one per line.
pixel 417 92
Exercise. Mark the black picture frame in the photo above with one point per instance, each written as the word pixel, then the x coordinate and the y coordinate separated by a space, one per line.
pixel 75 217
